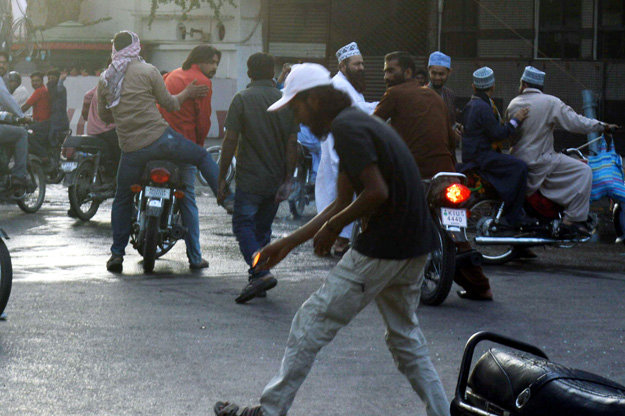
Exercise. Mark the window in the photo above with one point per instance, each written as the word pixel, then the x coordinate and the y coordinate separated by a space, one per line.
pixel 459 28
pixel 611 30
pixel 560 29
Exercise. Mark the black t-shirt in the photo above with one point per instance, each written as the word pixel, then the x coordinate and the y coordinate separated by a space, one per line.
pixel 401 227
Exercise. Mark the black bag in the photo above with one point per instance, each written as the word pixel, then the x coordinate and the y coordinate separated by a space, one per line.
pixel 526 383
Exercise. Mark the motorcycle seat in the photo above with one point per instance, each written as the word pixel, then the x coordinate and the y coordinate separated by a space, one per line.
pixel 524 384
pixel 175 178
pixel 86 141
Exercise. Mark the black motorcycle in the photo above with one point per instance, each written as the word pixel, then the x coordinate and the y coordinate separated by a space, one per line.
pixel 519 380
pixel 90 169
pixel 31 197
pixel 156 221
pixel 6 273
pixel 446 195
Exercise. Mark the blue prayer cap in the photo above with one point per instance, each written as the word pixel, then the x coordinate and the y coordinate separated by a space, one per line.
pixel 439 59
pixel 534 76
pixel 484 78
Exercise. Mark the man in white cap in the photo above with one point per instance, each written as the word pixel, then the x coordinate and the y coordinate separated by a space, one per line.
pixel 385 264
pixel 483 129
pixel 350 79
pixel 439 69
pixel 560 178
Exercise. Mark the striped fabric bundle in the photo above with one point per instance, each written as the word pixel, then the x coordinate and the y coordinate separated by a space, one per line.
pixel 607 173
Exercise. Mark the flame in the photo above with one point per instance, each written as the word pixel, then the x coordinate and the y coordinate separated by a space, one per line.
pixel 256 258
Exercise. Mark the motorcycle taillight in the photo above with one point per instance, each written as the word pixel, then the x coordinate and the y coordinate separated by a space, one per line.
pixel 457 193
pixel 160 175
pixel 68 152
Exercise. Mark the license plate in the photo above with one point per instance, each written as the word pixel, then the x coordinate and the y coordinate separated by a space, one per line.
pixel 69 166
pixel 454 217
pixel 152 192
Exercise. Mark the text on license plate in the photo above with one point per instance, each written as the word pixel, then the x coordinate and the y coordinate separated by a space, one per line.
pixel 454 217
pixel 69 166
pixel 152 192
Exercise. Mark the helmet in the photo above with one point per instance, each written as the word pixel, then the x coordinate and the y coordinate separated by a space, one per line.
pixel 15 77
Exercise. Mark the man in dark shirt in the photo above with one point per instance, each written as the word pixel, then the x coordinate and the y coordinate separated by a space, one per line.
pixel 266 157
pixel 384 265
pixel 439 69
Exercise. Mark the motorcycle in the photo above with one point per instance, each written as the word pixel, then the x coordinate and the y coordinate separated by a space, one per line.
pixel 90 173
pixel 523 382
pixel 303 191
pixel 446 196
pixel 156 221
pixel 6 273
pixel 215 152
pixel 500 243
pixel 39 146
pixel 30 198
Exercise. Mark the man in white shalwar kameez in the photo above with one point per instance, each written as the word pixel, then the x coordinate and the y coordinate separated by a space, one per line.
pixel 560 178
pixel 351 70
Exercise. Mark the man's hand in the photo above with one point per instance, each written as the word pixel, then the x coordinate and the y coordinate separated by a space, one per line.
pixel 272 254
pixel 522 114
pixel 284 191
pixel 193 90
pixel 608 128
pixel 324 240
pixel 458 129
pixel 223 192
pixel 26 120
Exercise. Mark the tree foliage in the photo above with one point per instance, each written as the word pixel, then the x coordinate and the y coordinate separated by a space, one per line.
pixel 188 5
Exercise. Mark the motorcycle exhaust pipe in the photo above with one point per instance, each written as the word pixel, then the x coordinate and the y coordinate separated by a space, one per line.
pixel 526 241
pixel 178 231
pixel 469 258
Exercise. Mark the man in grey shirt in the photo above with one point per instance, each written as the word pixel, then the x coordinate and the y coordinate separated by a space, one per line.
pixel 266 156
pixel 13 136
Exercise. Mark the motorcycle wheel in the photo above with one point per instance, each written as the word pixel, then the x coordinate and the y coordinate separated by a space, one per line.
pixel 34 200
pixel 215 152
pixel 618 216
pixel 438 275
pixel 151 241
pixel 484 208
pixel 84 207
pixel 297 200
pixel 6 275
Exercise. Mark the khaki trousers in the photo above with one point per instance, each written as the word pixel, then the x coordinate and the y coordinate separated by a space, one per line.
pixel 395 285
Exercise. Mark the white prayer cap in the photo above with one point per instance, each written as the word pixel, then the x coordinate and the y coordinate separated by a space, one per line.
pixel 439 59
pixel 534 76
pixel 347 51
pixel 484 78
pixel 302 77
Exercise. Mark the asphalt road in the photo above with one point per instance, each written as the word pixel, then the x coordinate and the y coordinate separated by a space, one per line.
pixel 81 341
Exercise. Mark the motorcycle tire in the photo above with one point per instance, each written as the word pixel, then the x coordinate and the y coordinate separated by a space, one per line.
pixel 150 244
pixel 618 216
pixel 31 202
pixel 78 194
pixel 438 275
pixel 6 276
pixel 297 199
pixel 497 254
pixel 215 152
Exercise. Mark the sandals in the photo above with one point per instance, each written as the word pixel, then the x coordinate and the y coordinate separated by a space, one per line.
pixel 231 409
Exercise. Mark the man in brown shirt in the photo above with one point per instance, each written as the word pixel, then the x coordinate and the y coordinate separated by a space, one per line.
pixel 420 117
pixel 127 95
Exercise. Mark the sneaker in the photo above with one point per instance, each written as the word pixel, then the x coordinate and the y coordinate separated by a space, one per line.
pixel 231 409
pixel 197 266
pixel 255 287
pixel 114 264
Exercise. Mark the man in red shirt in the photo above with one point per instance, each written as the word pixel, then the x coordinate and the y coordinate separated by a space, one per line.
pixel 193 122
pixel 39 100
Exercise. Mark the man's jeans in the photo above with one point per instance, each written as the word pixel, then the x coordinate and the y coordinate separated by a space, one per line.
pixel 251 223
pixel 395 286
pixel 16 137
pixel 170 146
pixel 189 214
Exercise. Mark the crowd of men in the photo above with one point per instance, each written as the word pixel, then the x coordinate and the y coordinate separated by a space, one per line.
pixel 373 158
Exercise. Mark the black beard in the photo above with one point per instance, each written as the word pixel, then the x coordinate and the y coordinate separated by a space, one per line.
pixel 319 130
pixel 395 81
pixel 357 79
